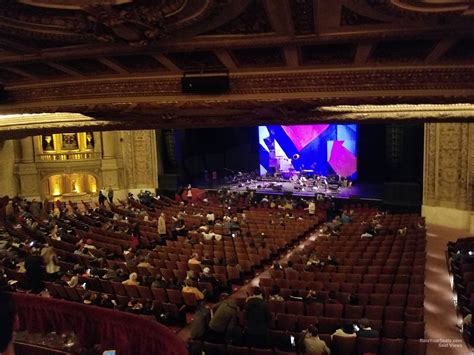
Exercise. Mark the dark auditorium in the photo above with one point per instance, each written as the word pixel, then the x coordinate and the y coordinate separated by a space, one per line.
pixel 236 177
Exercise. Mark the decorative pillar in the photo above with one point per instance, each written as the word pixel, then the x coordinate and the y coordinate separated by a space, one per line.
pixel 26 170
pixel 110 175
pixel 8 183
pixel 27 151
pixel 140 160
pixel 109 143
pixel 448 181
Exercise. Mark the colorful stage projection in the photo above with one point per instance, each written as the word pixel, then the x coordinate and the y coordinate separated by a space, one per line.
pixel 326 149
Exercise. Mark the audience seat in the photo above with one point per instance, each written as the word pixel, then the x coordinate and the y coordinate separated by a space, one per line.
pixel 415 347
pixel 414 330
pixel 286 321
pixel 393 329
pixel 213 349
pixel 343 345
pixel 237 350
pixel 367 345
pixel 391 346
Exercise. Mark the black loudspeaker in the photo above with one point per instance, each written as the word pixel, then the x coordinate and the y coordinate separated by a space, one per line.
pixel 205 83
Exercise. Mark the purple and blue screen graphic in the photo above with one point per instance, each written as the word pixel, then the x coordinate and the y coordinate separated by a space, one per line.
pixel 324 149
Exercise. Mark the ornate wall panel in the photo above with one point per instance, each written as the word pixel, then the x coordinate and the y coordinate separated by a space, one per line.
pixel 449 171
pixel 139 158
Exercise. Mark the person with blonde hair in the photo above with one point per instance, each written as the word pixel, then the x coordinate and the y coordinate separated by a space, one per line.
pixel 132 280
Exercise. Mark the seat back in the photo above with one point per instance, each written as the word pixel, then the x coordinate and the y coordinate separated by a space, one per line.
pixel 343 345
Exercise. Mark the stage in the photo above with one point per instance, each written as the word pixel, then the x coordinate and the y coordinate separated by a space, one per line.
pixel 361 190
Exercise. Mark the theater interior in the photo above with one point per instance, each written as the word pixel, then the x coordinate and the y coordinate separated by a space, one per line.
pixel 252 110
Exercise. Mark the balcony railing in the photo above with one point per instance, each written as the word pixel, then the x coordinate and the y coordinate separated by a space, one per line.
pixel 68 156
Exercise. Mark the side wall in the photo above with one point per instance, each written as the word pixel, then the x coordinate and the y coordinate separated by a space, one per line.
pixel 125 160
pixel 448 188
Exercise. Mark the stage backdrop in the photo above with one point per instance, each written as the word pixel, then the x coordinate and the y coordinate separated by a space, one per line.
pixel 327 149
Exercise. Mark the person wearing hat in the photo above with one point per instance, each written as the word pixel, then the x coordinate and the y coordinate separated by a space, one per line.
pixel 366 331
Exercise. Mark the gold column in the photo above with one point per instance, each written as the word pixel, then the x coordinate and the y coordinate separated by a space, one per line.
pixel 27 151
pixel 109 143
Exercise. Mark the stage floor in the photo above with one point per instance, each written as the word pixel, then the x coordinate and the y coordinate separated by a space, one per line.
pixel 361 190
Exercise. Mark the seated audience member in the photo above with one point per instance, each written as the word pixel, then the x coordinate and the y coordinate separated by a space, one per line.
pixel 312 297
pixel 203 227
pixel 132 280
pixel 90 298
pixel 73 282
pixel 210 217
pixel 275 294
pixel 366 331
pixel 289 266
pixel 276 266
pixel 332 261
pixel 345 217
pixel 194 259
pixel 190 240
pixel 402 231
pixel 111 273
pixel 7 322
pixel 258 317
pixel 312 343
pixel 106 302
pixel 223 320
pixel 206 260
pixel 144 262
pixel 133 306
pixel 159 282
pixel 208 235
pixel 191 275
pixel 347 330
pixel 189 288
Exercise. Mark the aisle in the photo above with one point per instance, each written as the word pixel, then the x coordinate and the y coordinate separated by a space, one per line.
pixel 247 287
pixel 441 332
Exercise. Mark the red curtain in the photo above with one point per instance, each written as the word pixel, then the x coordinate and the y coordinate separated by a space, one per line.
pixel 127 333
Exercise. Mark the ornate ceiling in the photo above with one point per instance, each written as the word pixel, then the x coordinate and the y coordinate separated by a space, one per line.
pixel 121 61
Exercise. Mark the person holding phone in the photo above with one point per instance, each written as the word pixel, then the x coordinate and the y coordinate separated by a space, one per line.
pixel 312 343
pixel 366 331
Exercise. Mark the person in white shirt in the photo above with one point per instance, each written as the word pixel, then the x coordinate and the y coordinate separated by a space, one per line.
pixel 311 208
pixel 210 217
pixel 208 235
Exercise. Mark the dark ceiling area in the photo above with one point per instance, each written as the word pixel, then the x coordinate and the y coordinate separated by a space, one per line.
pixel 123 60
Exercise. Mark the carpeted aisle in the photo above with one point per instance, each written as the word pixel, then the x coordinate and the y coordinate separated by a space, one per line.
pixel 441 332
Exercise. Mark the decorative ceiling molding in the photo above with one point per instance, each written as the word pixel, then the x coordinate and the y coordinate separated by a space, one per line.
pixel 252 113
pixel 289 82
